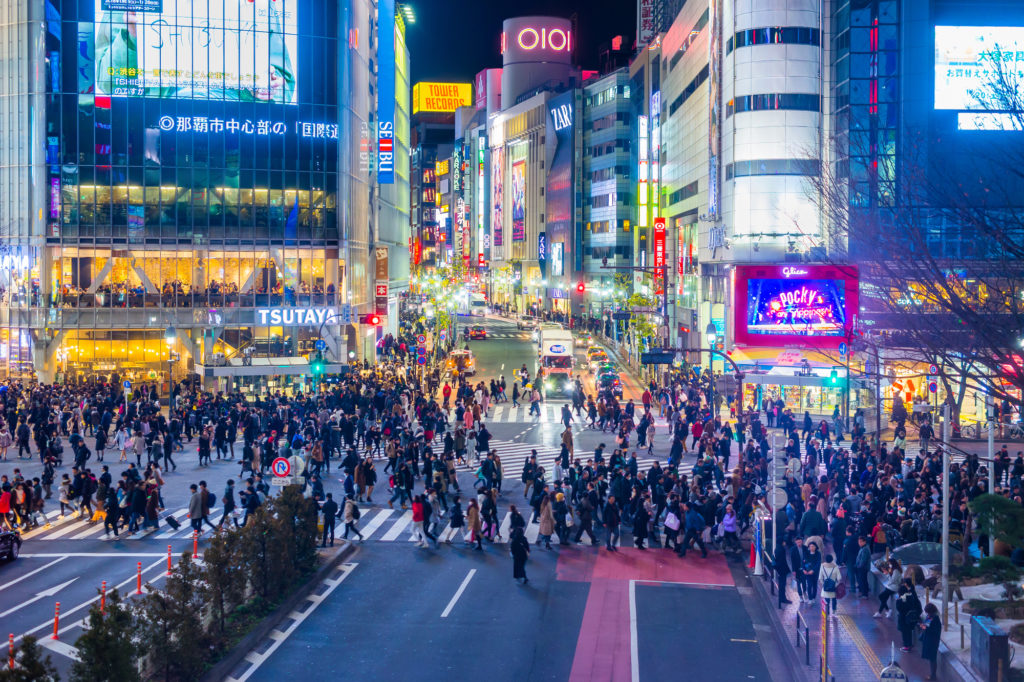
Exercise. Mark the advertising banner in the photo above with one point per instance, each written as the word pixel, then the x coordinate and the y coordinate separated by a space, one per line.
pixel 441 97
pixel 234 50
pixel 519 201
pixel 497 194
pixel 386 92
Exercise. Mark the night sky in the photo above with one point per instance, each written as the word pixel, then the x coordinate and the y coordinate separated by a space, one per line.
pixel 454 39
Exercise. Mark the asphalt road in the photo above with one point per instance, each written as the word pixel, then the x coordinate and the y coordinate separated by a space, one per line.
pixel 566 624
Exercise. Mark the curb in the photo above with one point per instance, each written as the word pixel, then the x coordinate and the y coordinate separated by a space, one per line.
pixel 789 653
pixel 222 668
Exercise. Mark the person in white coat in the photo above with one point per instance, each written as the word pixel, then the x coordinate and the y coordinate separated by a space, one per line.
pixel 829 576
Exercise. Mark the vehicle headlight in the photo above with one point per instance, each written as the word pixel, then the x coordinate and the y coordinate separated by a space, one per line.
pixel 547 384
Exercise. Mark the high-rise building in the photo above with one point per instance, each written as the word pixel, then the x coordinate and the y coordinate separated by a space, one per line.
pixel 186 206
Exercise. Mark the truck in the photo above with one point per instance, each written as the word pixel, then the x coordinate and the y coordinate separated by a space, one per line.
pixel 556 359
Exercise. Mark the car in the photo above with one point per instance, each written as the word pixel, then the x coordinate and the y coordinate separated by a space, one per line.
pixel 477 332
pixel 596 356
pixel 604 368
pixel 10 544
pixel 610 382
pixel 526 322
pixel 461 361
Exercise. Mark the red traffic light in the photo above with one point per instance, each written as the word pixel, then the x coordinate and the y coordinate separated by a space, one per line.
pixel 580 287
pixel 370 319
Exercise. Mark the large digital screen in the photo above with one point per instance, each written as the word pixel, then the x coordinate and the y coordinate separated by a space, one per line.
pixel 805 307
pixel 964 60
pixel 232 50
pixel 519 201
pixel 794 305
pixel 497 195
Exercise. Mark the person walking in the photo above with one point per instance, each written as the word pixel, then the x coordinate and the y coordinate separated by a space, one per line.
pixel 931 633
pixel 520 549
pixel 457 519
pixel 782 570
pixel 474 525
pixel 330 512
pixel 351 515
pixel 862 565
pixel 228 500
pixel 829 576
pixel 546 522
pixel 640 519
pixel 694 531
pixel 417 522
pixel 196 504
pixel 811 569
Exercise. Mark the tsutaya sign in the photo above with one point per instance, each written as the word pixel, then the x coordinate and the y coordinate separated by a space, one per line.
pixel 307 317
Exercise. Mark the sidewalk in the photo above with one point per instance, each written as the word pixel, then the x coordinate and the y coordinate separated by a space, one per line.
pixel 859 645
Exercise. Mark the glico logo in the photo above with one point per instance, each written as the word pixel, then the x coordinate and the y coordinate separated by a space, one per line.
pixel 530 38
pixel 790 271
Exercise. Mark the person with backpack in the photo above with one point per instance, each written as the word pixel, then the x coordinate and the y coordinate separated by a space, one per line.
pixel 209 502
pixel 829 576
pixel 352 515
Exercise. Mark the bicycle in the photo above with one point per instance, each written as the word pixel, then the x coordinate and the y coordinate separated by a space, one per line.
pixel 970 431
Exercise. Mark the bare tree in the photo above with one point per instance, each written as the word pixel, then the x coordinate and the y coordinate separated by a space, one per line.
pixel 941 258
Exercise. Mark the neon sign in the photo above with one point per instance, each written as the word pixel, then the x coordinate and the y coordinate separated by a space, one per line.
pixel 791 271
pixel 205 124
pixel 555 39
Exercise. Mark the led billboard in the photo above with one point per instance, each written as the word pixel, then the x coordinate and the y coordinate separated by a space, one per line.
pixel 233 50
pixel 794 305
pixel 964 60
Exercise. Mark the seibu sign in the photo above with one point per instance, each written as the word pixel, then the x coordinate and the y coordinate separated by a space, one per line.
pixel 306 317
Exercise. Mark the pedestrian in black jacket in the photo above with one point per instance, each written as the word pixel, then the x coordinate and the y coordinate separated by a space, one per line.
pixel 782 570
pixel 330 512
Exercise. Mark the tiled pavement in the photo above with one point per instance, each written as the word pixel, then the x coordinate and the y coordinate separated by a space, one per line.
pixel 859 646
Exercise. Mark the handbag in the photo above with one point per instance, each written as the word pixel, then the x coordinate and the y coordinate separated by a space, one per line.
pixel 568 521
pixel 840 590
pixel 672 521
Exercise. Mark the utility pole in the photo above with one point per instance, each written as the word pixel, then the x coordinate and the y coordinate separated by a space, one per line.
pixel 990 412
pixel 945 514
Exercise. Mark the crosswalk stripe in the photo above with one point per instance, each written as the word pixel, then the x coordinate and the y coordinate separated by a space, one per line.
pixel 69 527
pixel 506 525
pixel 94 529
pixel 532 531
pixel 397 528
pixel 376 522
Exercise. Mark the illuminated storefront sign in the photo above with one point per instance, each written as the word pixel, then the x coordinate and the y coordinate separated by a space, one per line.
pixel 659 247
pixel 531 38
pixel 386 92
pixel 642 171
pixel 441 97
pixel 259 127
pixel 441 167
pixel 562 116
pixel 308 317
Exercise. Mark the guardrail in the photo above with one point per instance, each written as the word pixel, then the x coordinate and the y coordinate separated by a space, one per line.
pixel 806 638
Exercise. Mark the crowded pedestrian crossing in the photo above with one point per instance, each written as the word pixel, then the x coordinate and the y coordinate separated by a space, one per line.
pixel 550 413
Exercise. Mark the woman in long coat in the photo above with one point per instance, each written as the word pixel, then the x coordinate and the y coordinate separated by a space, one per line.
pixel 547 522
pixel 474 524
pixel 520 549
pixel 640 519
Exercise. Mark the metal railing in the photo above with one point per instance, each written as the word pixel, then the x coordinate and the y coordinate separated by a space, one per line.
pixel 806 638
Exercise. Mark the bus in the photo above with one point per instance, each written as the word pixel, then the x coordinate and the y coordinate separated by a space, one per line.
pixel 477 305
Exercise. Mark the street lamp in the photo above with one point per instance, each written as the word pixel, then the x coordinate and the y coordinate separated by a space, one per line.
pixel 712 334
pixel 170 334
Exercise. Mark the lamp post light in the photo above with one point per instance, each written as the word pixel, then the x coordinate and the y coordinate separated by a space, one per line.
pixel 712 334
pixel 170 335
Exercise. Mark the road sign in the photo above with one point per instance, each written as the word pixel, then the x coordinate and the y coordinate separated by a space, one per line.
pixel 127 384
pixel 443 335
pixel 421 359
pixel 381 289
pixel 282 480
pixel 621 316
pixel 421 339
pixel 778 498
pixel 842 349
pixel 658 357
pixel 281 467
pixel 346 313
pixel 321 344
pixel 933 387
pixel 933 369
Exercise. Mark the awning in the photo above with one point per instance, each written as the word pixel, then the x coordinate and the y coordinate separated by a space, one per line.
pixel 259 367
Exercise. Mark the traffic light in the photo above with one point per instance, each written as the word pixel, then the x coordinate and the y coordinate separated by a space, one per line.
pixel 370 318
pixel 580 287
pixel 834 377
pixel 317 365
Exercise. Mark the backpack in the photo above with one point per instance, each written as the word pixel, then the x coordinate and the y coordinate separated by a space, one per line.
pixel 355 512
pixel 829 584
pixel 211 499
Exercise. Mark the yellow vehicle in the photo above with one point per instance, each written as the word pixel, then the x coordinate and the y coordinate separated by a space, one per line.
pixel 461 362
pixel 596 355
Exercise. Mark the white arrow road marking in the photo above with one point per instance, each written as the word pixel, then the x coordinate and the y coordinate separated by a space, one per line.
pixel 39 595
pixel 29 575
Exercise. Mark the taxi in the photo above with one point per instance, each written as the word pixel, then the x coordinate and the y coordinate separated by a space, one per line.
pixel 461 362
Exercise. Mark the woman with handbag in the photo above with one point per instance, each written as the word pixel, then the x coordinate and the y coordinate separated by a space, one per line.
pixel 474 525
pixel 908 614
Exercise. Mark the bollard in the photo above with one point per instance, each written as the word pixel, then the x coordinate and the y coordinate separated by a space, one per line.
pixel 195 543
pixel 103 597
pixel 56 620
pixel 10 650
pixel 962 641
pixel 168 559
pixel 956 613
pixel 138 580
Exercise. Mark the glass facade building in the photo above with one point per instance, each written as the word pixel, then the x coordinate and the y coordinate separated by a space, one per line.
pixel 185 168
